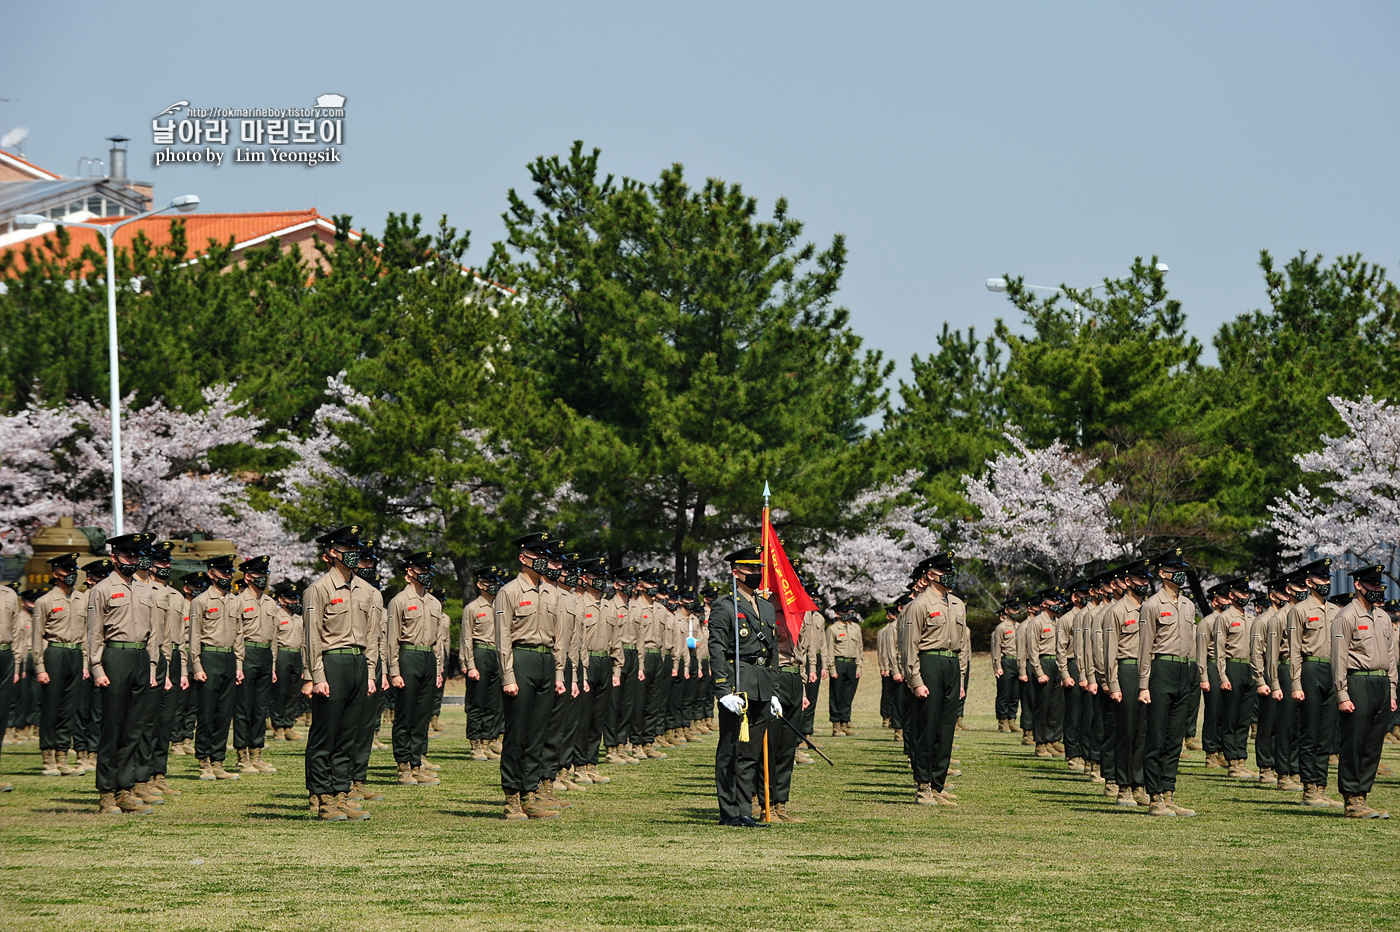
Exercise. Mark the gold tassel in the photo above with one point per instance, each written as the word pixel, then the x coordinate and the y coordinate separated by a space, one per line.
pixel 744 721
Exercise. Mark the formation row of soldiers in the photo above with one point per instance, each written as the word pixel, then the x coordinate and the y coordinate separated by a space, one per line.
pixel 1110 673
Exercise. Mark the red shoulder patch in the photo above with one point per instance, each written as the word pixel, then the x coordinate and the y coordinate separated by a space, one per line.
pixel 1166 615
pixel 527 602
pixel 337 601
pixel 935 614
pixel 118 595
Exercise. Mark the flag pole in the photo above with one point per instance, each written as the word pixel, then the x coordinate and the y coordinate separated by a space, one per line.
pixel 767 783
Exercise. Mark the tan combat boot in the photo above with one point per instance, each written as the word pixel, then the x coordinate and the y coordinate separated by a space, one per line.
pixel 780 814
pixel 1268 777
pixel 1290 782
pixel 1027 738
pixel 177 749
pixel 327 810
pixel 1110 789
pixel 406 774
pixel 836 731
pixel 426 764
pixel 1158 806
pixel 1096 774
pixel 377 745
pixel 597 777
pixel 143 792
pixel 1075 765
pixel 206 769
pixel 580 776
pixel 802 757
pixel 1356 808
pixel 960 726
pixel 493 751
pixel 245 761
pixel 1170 799
pixel 260 765
pixel 1327 800
pixel 436 725
pixel 1058 747
pixel 1333 760
pixel 50 764
pixel 107 804
pixel 291 734
pixel 1125 797
pixel 426 777
pixel 514 812
pixel 536 808
pixel 496 744
pixel 632 753
pixel 678 737
pixel 544 796
pixel 613 757
pixel 925 796
pixel 1043 750
pixel 73 766
pixel 1194 744
pixel 128 801
pixel 222 774
pixel 652 753
pixel 277 733
pixel 352 812
pixel 849 728
pixel 479 753
pixel 899 734
pixel 1140 796
pixel 160 783
pixel 367 794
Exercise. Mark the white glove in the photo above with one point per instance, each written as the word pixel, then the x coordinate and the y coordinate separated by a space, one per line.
pixel 733 702
pixel 776 706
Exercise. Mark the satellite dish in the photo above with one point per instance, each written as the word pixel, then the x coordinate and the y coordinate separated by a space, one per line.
pixel 14 137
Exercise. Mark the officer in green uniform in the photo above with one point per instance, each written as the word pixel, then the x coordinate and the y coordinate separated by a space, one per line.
pixel 745 691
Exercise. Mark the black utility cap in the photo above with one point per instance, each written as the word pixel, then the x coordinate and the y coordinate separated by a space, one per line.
pixel 1370 575
pixel 541 542
pixel 1172 558
pixel 130 543
pixel 36 593
pixel 1081 585
pixel 347 536
pixel 369 552
pixel 650 575
pixel 1238 584
pixel 257 566
pixel 746 556
pixel 64 561
pixel 594 566
pixel 1142 569
pixel 1218 591
pixel 1342 599
pixel 488 571
pixel 162 549
pixel 198 581
pixel 1011 605
pixel 99 569
pixel 288 589
pixel 1321 567
pixel 423 560
pixel 222 563
pixel 845 605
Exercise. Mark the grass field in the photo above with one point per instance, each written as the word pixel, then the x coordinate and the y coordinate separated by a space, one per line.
pixel 1030 847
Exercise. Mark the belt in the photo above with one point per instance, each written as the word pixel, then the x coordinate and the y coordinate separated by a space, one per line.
pixel 4 647
pixel 1314 658
pixel 425 650
pixel 791 668
pixel 664 653
pixel 126 645
pixel 629 646
pixel 289 650
pixel 1009 657
pixel 1047 656
pixel 533 648
pixel 1174 658
pixel 598 653
pixel 653 650
pixel 1236 660
pixel 69 645
pixel 341 650
pixel 848 659
pixel 482 645
pixel 263 644
pixel 1385 673
pixel 1130 661
pixel 221 650
pixel 934 653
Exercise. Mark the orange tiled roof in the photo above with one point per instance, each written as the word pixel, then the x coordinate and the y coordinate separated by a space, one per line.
pixel 42 174
pixel 246 229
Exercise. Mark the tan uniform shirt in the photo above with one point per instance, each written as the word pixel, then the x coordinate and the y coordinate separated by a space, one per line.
pixel 1003 643
pixel 524 615
pixel 415 620
pixel 648 625
pixel 170 604
pixel 114 615
pixel 10 607
pixel 885 654
pixel 599 623
pixel 843 642
pixel 1098 642
pixel 566 637
pixel 291 630
pixel 1044 634
pixel 1258 645
pixel 257 616
pixel 1067 642
pixel 1121 625
pixel 214 622
pixel 478 627
pixel 628 621
pixel 56 617
pixel 1362 639
pixel 614 609
pixel 339 614
pixel 1310 630
pixel 795 655
pixel 936 623
pixel 1278 647
pixel 1232 637
pixel 1167 627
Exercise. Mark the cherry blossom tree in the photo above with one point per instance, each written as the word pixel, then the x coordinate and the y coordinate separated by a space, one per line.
pixel 58 462
pixel 1357 510
pixel 1038 509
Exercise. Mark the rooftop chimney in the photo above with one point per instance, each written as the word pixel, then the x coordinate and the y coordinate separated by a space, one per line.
pixel 116 164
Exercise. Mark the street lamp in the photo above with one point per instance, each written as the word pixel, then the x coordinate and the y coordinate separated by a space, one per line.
pixel 184 204
pixel 998 285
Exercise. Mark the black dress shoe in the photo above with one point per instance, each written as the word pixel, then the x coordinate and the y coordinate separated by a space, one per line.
pixel 749 822
pixel 732 822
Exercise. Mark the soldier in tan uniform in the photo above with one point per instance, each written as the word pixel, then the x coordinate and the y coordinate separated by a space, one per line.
pixel 1281 671
pixel 291 637
pixel 1128 671
pixel 532 675
pixel 417 657
pixel 1364 653
pixel 935 661
pixel 845 660
pixel 216 656
pixel 380 697
pixel 1041 644
pixel 122 660
pixel 256 611
pixel 174 680
pixel 1264 609
pixel 1068 628
pixel 89 700
pixel 182 738
pixel 602 650
pixel 339 659
pixel 150 603
pixel 1310 643
pixel 1233 645
pixel 557 590
pixel 482 663
pixel 60 664
pixel 885 659
pixel 618 732
pixel 1004 666
pixel 651 650
pixel 10 634
pixel 1169 639
pixel 1212 704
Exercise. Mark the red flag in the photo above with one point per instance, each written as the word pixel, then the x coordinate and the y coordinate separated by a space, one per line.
pixel 778 575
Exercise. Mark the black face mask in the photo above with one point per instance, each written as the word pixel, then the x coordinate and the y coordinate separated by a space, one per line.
pixel 1142 590
pixel 552 574
pixel 540 565
pixel 144 561
pixel 69 579
pixel 425 579
pixel 351 559
pixel 493 587
pixel 753 580
pixel 1375 597
pixel 1179 578
pixel 257 582
pixel 127 570
pixel 1323 591
pixel 368 574
pixel 224 584
pixel 1240 600
pixel 293 608
pixel 163 572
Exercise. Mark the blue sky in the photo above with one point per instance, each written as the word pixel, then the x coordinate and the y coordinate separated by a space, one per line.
pixel 949 142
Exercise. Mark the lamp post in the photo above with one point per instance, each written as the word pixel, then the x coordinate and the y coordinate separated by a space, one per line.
pixel 184 204
pixel 998 285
